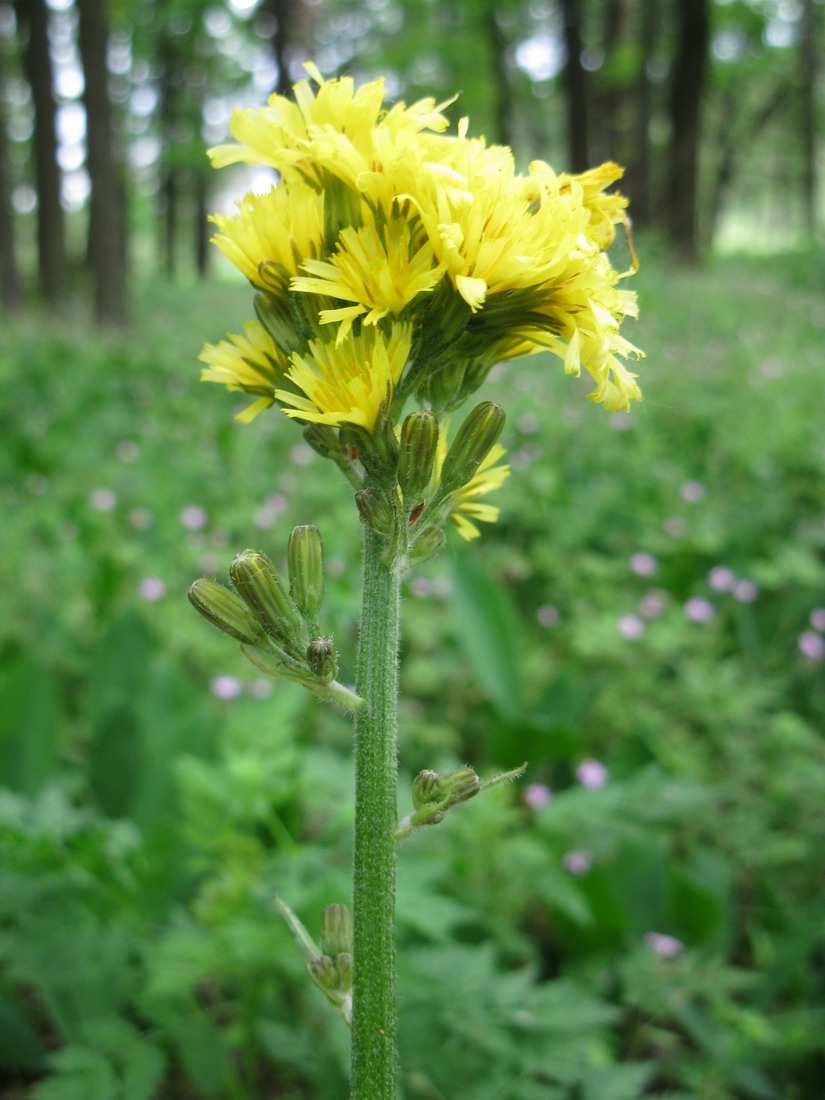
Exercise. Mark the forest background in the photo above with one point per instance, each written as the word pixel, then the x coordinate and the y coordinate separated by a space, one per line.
pixel 643 914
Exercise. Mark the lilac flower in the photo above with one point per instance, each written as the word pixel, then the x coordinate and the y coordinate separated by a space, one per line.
pixel 644 564
pixel 666 947
pixel 631 627
pixel 103 500
pixel 193 517
pixel 152 588
pixel 548 615
pixel 592 774
pixel 578 862
pixel 537 795
pixel 721 579
pixel 817 618
pixel 811 645
pixel 693 491
pixel 699 610
pixel 745 591
pixel 225 687
pixel 652 604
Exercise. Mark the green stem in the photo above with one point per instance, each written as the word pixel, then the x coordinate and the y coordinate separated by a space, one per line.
pixel 374 1059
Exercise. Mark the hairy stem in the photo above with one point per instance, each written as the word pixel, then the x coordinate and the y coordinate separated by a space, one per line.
pixel 374 1059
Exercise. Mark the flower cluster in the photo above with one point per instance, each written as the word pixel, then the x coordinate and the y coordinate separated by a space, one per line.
pixel 395 262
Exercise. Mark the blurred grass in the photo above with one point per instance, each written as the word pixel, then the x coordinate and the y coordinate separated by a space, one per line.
pixel 549 640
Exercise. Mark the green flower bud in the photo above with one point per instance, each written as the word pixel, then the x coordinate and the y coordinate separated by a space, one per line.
pixel 225 610
pixel 460 786
pixel 324 973
pixel 427 545
pixel 419 440
pixel 377 449
pixel 374 511
pixel 336 930
pixel 427 789
pixel 306 570
pixel 323 439
pixel 343 964
pixel 322 658
pixel 263 591
pixel 475 439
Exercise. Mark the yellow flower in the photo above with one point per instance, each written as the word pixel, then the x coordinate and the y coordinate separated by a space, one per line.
pixel 347 383
pixel 380 276
pixel 251 363
pixel 381 218
pixel 339 130
pixel 281 229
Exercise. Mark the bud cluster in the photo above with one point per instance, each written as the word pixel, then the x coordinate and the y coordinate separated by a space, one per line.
pixel 330 965
pixel 262 610
pixel 434 794
pixel 414 482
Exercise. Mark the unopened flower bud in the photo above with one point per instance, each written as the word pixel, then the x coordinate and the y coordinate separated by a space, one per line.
pixel 263 591
pixel 427 545
pixel 374 510
pixel 322 658
pixel 324 973
pixel 336 930
pixel 475 439
pixel 225 610
pixel 343 964
pixel 273 276
pixel 323 439
pixel 306 570
pixel 460 786
pixel 377 448
pixel 426 789
pixel 419 440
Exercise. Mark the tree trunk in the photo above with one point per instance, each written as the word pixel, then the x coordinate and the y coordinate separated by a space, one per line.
pixel 686 95
pixel 638 179
pixel 202 250
pixel 575 89
pixel 731 142
pixel 808 65
pixel 107 228
pixel 32 15
pixel 503 91
pixel 11 290
pixel 281 12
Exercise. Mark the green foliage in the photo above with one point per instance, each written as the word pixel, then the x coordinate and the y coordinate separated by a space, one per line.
pixel 147 824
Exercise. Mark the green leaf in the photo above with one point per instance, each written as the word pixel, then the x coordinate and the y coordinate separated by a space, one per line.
pixel 20 1046
pixel 80 1074
pixel 30 725
pixel 488 629
pixel 624 1082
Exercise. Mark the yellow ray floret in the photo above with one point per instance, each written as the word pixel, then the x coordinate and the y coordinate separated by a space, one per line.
pixel 282 228
pixel 379 276
pixel 464 503
pixel 347 383
pixel 250 362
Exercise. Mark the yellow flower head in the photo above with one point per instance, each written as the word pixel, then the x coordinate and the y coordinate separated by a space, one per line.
pixel 339 130
pixel 251 363
pixel 280 229
pixel 383 224
pixel 380 276
pixel 347 382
